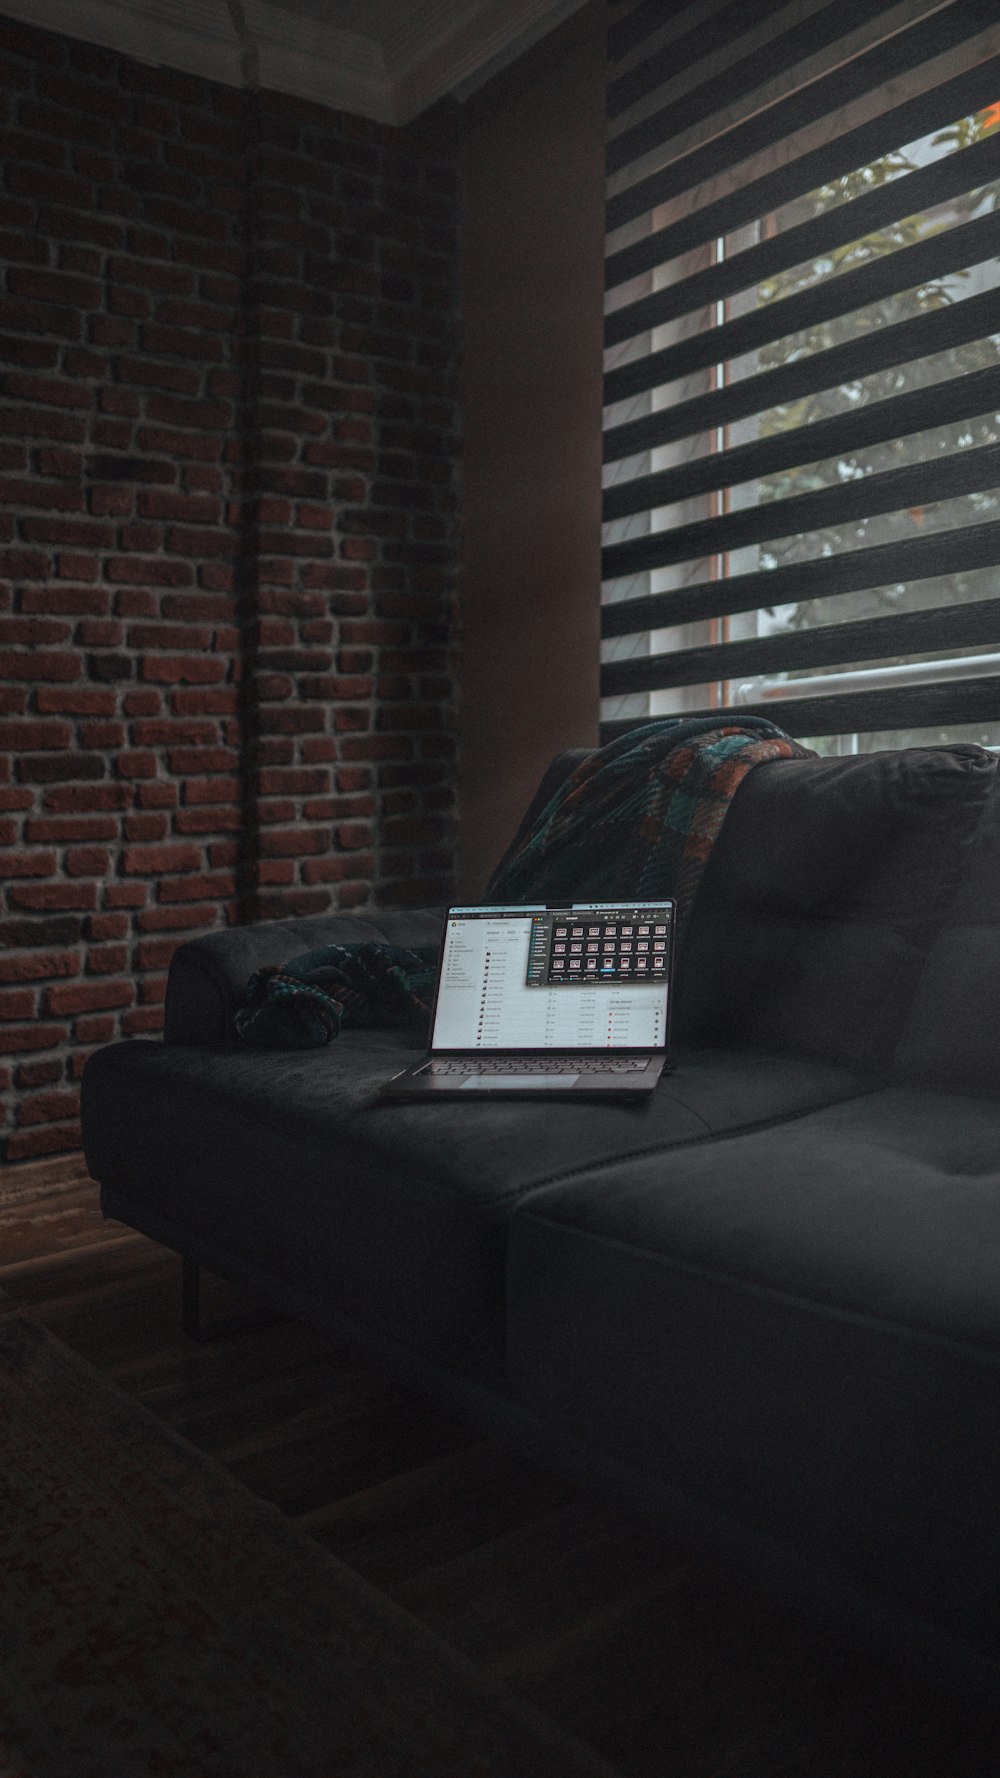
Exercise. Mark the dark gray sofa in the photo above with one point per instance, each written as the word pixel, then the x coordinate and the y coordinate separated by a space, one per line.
pixel 763 1307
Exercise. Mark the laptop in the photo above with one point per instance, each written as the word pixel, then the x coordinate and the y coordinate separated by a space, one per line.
pixel 538 999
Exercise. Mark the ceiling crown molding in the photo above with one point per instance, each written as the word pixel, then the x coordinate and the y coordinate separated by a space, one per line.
pixel 429 48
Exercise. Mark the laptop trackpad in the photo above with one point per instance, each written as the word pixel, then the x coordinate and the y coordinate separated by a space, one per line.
pixel 503 1081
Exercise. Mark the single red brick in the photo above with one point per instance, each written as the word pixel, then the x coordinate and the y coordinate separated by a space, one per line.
pixel 98 1027
pixel 108 736
pixel 74 565
pixel 49 1139
pixel 73 600
pixel 223 700
pixel 103 632
pixel 32 630
pixel 216 789
pixel 351 835
pixel 318 747
pixel 30 736
pixel 295 842
pixel 142 703
pixel 142 860
pixel 170 669
pixel 161 731
pixel 17 1003
pixel 376 747
pixel 325 870
pixel 293 781
pixel 37 966
pixel 46 897
pixel 107 959
pixel 37 1074
pixel 358 895
pixel 90 797
pixel 89 997
pixel 149 571
pixel 136 763
pixel 174 919
pixel 80 701
pixel 197 760
pixel 135 602
pixel 124 895
pixel 274 871
pixel 152 826
pixel 29 864
pixel 353 778
pixel 156 953
pixel 47 1108
pixel 87 861
pixel 103 926
pixel 111 502
pixel 214 884
pixel 143 1021
pixel 157 796
pixel 19 1038
pixel 41 664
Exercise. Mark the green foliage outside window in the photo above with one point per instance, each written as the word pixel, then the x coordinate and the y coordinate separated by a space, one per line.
pixel 943 442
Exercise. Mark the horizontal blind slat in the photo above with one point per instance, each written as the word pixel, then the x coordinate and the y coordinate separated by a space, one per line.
pixel 825 577
pixel 647 20
pixel 683 52
pixel 848 713
pixel 895 490
pixel 868 639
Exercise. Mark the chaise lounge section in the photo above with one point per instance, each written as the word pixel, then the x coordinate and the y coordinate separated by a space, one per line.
pixel 763 1307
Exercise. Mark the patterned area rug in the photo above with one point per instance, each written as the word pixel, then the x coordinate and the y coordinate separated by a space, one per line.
pixel 158 1621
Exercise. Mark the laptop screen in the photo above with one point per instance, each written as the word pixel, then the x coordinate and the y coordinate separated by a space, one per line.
pixel 584 976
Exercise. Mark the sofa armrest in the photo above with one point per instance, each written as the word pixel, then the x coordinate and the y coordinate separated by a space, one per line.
pixel 208 975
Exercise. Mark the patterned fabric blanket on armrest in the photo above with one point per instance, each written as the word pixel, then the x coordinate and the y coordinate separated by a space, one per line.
pixel 302 1004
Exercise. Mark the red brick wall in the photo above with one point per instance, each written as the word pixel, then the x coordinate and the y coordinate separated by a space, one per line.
pixel 227 534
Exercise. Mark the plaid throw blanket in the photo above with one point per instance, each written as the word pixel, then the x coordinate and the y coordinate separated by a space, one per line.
pixel 640 816
pixel 304 1002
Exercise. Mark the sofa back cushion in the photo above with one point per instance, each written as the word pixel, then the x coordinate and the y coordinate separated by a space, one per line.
pixel 823 894
pixel 951 1037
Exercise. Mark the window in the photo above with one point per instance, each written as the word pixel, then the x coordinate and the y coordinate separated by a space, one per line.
pixel 802 423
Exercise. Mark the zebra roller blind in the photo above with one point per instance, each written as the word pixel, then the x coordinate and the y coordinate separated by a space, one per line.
pixel 802 421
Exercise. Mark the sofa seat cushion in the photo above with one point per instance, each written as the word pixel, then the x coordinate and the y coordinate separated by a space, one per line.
pixel 798 1328
pixel 393 1212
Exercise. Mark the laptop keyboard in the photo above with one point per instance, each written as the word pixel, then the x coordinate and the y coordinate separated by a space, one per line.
pixel 540 1065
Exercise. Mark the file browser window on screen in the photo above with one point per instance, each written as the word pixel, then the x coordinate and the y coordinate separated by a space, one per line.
pixel 587 976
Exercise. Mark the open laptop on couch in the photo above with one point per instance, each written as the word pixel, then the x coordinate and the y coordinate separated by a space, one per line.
pixel 533 999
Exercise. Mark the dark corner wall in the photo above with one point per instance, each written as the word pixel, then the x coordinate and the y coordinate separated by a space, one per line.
pixel 228 534
pixel 532 299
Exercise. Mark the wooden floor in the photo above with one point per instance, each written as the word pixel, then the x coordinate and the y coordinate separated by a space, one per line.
pixel 667 1665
